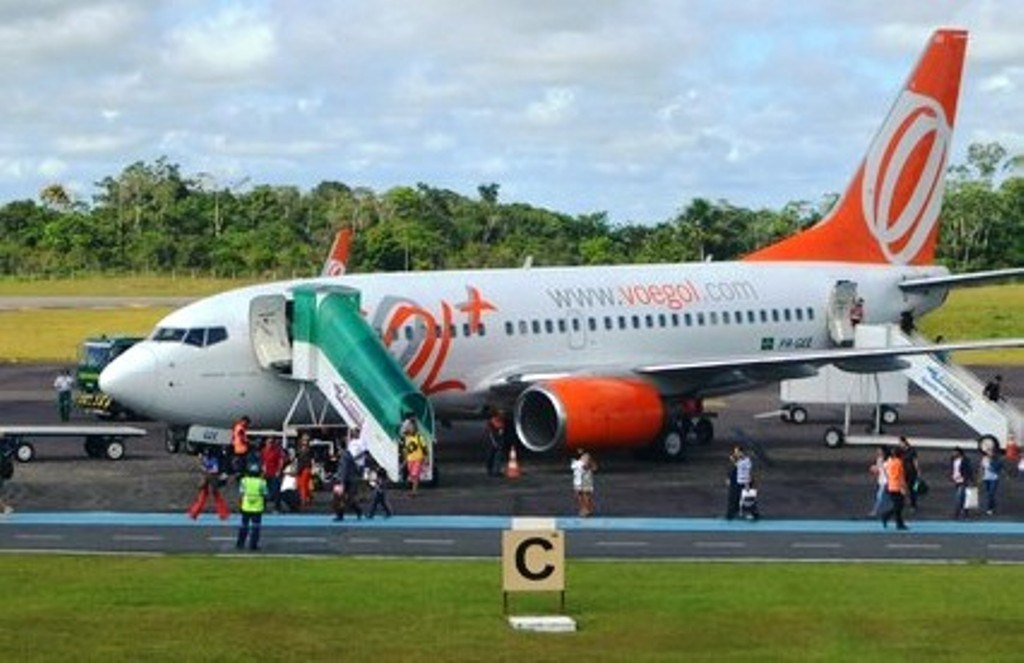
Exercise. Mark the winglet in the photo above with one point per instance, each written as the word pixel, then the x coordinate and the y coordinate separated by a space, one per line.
pixel 337 259
pixel 889 213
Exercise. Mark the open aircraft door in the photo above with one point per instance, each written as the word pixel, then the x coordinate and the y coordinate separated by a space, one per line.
pixel 840 303
pixel 269 329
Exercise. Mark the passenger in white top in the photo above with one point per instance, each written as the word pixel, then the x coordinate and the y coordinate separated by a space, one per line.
pixel 583 468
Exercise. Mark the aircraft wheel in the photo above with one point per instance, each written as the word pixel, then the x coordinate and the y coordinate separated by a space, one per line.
pixel 115 449
pixel 171 442
pixel 24 452
pixel 798 415
pixel 704 431
pixel 834 437
pixel 671 445
pixel 890 415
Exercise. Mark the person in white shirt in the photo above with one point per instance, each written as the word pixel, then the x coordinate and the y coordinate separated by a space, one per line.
pixel 64 383
pixel 583 468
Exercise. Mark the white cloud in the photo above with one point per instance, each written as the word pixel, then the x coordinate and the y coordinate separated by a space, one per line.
pixel 222 47
pixel 576 105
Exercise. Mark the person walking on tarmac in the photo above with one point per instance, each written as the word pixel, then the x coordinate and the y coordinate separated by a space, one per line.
pixel 496 441
pixel 253 488
pixel 896 487
pixel 209 462
pixel 63 384
pixel 345 490
pixel 239 444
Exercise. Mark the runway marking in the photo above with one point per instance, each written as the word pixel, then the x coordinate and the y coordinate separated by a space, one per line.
pixel 137 537
pixel 430 542
pixel 622 544
pixel 719 544
pixel 303 539
pixel 823 544
pixel 221 539
pixel 1006 546
pixel 914 546
pixel 363 540
pixel 39 537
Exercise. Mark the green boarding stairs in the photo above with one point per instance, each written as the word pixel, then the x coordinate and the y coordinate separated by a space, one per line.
pixel 335 348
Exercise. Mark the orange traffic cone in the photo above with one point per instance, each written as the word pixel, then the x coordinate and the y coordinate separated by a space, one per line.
pixel 512 469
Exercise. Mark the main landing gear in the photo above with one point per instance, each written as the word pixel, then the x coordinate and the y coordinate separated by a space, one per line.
pixel 691 419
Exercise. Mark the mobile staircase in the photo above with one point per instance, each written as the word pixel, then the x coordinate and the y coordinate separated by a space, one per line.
pixel 952 386
pixel 320 339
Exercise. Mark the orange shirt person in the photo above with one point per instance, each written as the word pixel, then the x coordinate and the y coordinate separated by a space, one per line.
pixel 896 488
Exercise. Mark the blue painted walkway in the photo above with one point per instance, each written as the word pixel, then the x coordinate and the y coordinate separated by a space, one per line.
pixel 115 519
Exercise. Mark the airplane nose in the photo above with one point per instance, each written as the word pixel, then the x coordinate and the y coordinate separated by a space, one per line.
pixel 132 378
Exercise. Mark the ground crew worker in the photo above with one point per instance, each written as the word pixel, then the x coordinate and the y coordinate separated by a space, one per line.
pixel 63 384
pixel 239 444
pixel 253 488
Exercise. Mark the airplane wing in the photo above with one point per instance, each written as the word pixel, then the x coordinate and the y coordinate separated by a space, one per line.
pixel 711 376
pixel 973 278
pixel 717 376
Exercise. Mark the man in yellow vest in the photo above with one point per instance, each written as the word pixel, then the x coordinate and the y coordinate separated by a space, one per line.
pixel 254 493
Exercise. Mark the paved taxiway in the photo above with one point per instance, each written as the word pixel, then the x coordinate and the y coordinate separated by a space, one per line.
pixel 814 499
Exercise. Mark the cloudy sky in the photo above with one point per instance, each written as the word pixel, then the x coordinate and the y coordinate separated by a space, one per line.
pixel 625 106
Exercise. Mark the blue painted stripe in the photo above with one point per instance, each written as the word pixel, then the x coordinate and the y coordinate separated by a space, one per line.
pixel 116 519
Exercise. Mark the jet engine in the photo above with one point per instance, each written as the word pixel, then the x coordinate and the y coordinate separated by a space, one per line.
pixel 588 412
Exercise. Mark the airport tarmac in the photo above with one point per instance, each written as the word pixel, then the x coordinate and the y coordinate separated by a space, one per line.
pixel 799 477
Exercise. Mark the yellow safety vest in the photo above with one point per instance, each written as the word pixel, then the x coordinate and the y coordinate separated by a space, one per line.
pixel 253 491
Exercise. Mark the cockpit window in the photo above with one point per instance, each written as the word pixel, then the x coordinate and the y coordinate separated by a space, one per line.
pixel 200 337
pixel 195 337
pixel 215 335
pixel 168 334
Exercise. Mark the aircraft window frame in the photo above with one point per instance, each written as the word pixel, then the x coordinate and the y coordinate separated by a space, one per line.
pixel 622 322
pixel 798 313
pixel 675 319
pixel 549 326
pixel 560 323
pixel 713 318
pixel 726 318
pixel 810 314
pixel 764 316
pixel 592 324
pixel 481 329
pixel 168 334
pixel 524 327
pixel 535 327
pixel 700 319
pixel 751 317
pixel 688 319
pixel 786 315
pixel 510 328
pixel 649 321
pixel 662 320
pixel 775 315
pixel 465 329
pixel 609 324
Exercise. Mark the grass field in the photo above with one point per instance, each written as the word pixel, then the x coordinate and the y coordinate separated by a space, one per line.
pixel 64 608
pixel 970 313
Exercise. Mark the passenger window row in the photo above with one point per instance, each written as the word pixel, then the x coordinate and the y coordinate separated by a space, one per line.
pixel 661 321
pixel 409 331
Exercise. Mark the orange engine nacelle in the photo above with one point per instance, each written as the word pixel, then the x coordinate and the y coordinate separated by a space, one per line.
pixel 592 413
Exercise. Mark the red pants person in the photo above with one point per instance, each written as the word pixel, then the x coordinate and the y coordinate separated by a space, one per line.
pixel 209 487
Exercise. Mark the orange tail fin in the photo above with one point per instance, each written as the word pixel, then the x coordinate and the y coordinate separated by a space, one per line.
pixel 890 210
pixel 337 259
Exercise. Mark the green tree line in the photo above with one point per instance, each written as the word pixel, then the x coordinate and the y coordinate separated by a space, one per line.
pixel 154 217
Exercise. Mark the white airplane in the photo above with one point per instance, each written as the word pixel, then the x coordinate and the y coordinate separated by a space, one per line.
pixel 608 356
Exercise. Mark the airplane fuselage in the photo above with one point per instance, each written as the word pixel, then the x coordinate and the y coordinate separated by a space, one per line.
pixel 459 334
